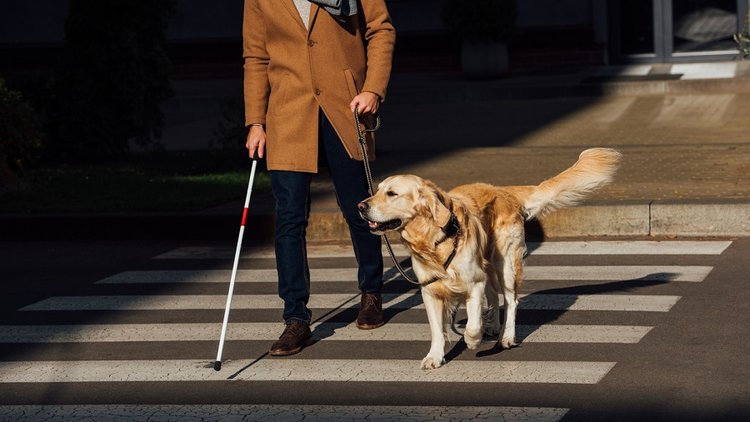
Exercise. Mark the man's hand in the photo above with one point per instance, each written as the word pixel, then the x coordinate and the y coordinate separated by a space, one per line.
pixel 256 141
pixel 365 103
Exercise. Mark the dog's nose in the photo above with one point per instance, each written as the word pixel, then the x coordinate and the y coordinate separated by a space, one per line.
pixel 362 206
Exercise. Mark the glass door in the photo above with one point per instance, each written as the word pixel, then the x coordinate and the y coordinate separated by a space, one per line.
pixel 674 30
pixel 704 26
pixel 636 22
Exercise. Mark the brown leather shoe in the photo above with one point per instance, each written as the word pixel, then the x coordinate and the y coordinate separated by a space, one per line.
pixel 370 312
pixel 296 335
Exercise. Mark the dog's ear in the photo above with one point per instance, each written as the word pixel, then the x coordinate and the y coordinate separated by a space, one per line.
pixel 436 202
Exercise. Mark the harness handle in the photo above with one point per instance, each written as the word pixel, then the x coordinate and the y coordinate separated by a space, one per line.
pixel 368 175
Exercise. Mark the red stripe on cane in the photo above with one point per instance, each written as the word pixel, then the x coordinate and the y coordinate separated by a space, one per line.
pixel 244 217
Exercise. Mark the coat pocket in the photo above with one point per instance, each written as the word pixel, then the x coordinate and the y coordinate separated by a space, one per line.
pixel 277 98
pixel 351 83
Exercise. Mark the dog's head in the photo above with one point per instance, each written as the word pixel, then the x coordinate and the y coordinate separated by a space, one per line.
pixel 401 199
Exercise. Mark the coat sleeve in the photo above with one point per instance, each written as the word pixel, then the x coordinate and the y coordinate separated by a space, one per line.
pixel 380 37
pixel 256 59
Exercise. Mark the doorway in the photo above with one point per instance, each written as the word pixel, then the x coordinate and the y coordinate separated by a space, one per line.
pixel 669 31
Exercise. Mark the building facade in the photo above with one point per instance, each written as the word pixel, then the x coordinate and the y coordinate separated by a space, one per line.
pixel 550 31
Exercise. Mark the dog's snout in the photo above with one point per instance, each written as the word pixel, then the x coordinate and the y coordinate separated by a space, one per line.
pixel 363 206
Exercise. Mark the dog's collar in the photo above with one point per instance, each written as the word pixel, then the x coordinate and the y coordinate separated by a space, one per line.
pixel 451 229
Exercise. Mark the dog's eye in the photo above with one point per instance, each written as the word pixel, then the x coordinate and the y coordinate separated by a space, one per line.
pixel 391 193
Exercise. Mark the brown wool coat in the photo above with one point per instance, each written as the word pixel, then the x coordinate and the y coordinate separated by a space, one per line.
pixel 291 73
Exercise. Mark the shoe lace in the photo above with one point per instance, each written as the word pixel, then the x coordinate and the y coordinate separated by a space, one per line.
pixel 369 301
pixel 292 330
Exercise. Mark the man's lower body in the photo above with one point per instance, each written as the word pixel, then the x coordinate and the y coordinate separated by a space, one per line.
pixel 291 191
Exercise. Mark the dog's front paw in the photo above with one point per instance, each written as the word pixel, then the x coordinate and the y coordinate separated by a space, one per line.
pixel 508 343
pixel 431 362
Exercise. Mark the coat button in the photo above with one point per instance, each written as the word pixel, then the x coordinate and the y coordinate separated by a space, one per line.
pixel 317 91
pixel 310 43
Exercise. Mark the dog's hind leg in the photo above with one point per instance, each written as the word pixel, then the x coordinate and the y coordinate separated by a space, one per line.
pixel 512 280
pixel 435 312
pixel 491 315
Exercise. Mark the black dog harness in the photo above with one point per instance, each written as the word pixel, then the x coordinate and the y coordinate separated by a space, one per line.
pixel 450 229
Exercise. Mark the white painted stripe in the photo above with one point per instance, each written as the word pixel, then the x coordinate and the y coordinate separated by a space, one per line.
pixel 672 247
pixel 644 303
pixel 223 276
pixel 531 273
pixel 314 251
pixel 618 273
pixel 622 334
pixel 624 303
pixel 337 370
pixel 623 247
pixel 243 276
pixel 551 333
pixel 285 412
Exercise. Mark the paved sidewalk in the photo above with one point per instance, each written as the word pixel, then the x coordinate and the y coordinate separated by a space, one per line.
pixel 685 140
pixel 683 131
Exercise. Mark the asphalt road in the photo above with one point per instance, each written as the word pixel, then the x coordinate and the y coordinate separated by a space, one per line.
pixel 615 330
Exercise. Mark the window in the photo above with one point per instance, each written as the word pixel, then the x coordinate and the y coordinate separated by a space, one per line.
pixel 674 30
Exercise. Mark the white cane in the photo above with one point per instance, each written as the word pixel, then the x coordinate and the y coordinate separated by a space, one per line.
pixel 217 364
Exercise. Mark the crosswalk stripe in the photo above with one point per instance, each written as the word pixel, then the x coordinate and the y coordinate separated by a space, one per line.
pixel 318 251
pixel 223 276
pixel 624 247
pixel 643 303
pixel 337 370
pixel 549 333
pixel 310 413
pixel 615 272
pixel 531 273
pixel 60 344
pixel 672 247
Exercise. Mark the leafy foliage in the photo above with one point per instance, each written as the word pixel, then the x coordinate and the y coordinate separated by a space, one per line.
pixel 20 136
pixel 743 38
pixel 113 78
pixel 147 181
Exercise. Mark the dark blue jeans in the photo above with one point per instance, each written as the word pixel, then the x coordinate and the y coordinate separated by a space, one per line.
pixel 291 191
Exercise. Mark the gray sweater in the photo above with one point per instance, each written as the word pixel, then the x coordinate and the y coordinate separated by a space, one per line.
pixel 303 6
pixel 334 7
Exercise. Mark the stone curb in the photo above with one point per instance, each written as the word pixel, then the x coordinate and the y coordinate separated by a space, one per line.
pixel 655 219
pixel 645 219
pixel 720 218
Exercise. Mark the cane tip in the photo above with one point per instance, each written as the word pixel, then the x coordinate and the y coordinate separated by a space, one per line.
pixel 217 365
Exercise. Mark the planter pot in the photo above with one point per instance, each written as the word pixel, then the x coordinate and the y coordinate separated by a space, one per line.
pixel 484 59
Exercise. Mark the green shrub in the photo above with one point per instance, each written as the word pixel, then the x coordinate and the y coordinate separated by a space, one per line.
pixel 742 38
pixel 20 136
pixel 112 80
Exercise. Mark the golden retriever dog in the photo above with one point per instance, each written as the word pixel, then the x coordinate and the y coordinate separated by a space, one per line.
pixel 468 245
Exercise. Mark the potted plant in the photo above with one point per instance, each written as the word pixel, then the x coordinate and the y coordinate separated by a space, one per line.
pixel 484 27
pixel 742 38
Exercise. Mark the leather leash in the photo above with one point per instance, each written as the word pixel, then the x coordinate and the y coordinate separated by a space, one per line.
pixel 368 175
pixel 453 223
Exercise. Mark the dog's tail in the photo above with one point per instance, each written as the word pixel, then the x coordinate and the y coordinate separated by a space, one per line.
pixel 594 169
